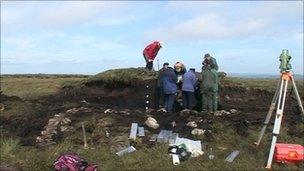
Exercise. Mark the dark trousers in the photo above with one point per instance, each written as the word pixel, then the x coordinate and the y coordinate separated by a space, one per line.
pixel 169 101
pixel 149 65
pixel 188 99
pixel 159 96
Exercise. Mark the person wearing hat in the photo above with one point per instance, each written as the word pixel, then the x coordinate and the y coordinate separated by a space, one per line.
pixel 209 85
pixel 159 88
pixel 210 62
pixel 150 53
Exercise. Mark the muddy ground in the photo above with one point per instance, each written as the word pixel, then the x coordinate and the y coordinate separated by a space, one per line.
pixel 128 100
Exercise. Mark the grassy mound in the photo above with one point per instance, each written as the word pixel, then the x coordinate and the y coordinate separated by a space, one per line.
pixel 120 78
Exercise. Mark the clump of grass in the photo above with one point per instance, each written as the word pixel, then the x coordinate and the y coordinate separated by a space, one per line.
pixel 9 146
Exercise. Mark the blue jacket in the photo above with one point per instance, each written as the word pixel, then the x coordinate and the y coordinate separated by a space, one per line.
pixel 189 81
pixel 169 81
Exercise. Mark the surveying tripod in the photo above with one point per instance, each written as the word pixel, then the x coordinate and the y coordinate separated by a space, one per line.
pixel 279 99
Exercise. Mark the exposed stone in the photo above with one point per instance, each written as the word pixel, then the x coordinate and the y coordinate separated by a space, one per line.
pixel 65 121
pixel 233 111
pixel 197 131
pixel 58 123
pixel 192 124
pixel 107 111
pixel 76 110
pixel 152 123
pixel 106 122
pixel 2 107
pixel 221 113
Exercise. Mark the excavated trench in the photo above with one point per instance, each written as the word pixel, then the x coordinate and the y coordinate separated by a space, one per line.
pixel 253 105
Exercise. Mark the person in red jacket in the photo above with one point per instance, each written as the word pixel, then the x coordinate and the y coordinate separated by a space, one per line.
pixel 150 53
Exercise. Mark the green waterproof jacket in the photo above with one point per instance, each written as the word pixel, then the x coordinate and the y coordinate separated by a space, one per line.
pixel 210 80
pixel 211 63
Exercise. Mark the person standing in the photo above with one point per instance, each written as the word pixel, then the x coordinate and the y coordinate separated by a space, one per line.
pixel 188 88
pixel 180 70
pixel 159 88
pixel 150 53
pixel 209 85
pixel 169 88
pixel 210 62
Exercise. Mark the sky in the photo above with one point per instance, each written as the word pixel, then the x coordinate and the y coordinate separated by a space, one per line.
pixel 88 37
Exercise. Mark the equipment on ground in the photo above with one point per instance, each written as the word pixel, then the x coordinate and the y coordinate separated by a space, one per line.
pixel 72 161
pixel 232 156
pixel 147 98
pixel 289 153
pixel 141 131
pixel 133 131
pixel 128 150
pixel 279 99
pixel 211 155
pixel 84 136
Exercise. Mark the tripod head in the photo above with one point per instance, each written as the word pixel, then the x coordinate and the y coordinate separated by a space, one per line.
pixel 285 66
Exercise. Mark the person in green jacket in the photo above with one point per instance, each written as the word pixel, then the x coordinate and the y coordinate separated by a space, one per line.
pixel 209 85
pixel 210 61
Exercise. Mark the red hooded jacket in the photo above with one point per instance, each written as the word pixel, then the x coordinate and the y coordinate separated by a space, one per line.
pixel 151 50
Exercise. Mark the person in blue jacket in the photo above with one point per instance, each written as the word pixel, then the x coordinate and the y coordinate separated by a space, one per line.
pixel 188 88
pixel 169 88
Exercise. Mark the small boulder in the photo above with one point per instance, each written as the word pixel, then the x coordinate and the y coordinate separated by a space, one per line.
pixel 192 124
pixel 106 122
pixel 151 123
pixel 221 113
pixel 233 111
pixel 108 111
pixel 197 131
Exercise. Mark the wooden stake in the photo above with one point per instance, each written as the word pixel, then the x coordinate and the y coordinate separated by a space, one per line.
pixel 84 136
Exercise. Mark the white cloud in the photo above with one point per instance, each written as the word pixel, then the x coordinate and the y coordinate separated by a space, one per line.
pixel 113 20
pixel 65 14
pixel 193 6
pixel 215 20
pixel 276 10
pixel 23 42
pixel 71 13
pixel 55 46
pixel 206 26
